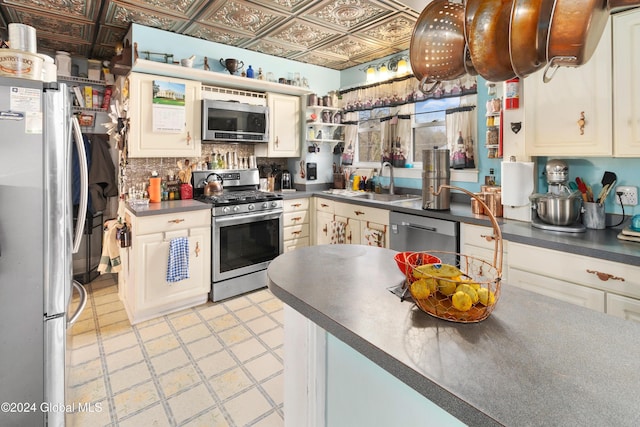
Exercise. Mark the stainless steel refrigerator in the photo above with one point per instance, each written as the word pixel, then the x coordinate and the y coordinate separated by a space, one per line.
pixel 36 246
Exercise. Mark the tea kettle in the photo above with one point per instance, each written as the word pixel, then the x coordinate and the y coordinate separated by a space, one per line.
pixel 214 187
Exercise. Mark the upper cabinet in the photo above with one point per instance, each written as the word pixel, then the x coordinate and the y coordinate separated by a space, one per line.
pixel 626 87
pixel 284 127
pixel 161 124
pixel 572 114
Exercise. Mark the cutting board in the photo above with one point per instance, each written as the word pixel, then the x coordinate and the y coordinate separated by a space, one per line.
pixel 628 238
pixel 629 232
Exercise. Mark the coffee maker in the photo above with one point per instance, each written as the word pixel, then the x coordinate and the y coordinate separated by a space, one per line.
pixel 559 209
pixel 286 180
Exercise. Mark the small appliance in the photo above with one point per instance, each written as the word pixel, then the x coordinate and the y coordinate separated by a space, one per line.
pixel 559 209
pixel 286 180
pixel 312 171
pixel 230 121
pixel 436 172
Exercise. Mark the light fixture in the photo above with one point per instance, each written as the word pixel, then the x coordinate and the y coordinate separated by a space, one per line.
pixel 402 66
pixel 383 72
pixel 371 74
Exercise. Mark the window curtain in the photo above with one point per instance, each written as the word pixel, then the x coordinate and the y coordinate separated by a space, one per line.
pixel 461 124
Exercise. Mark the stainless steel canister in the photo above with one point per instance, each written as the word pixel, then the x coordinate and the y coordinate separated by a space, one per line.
pixel 435 172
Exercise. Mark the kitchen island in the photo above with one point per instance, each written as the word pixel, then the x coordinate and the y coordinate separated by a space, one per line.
pixel 534 361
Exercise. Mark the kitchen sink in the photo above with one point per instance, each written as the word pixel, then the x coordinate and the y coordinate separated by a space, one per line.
pixel 388 198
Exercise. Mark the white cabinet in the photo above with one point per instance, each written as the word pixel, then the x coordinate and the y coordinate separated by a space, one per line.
pixel 364 225
pixel 296 224
pixel 164 128
pixel 478 241
pixel 626 87
pixel 284 127
pixel 602 285
pixel 143 285
pixel 324 216
pixel 553 110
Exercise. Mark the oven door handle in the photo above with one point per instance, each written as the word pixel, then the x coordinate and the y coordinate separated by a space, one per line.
pixel 244 218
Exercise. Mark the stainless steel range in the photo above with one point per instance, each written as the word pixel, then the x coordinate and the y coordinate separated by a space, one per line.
pixel 246 231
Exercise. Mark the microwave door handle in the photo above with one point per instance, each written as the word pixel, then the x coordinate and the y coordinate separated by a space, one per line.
pixel 76 135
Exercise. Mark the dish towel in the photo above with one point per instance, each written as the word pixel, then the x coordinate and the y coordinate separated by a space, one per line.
pixel 374 237
pixel 178 262
pixel 110 258
pixel 338 232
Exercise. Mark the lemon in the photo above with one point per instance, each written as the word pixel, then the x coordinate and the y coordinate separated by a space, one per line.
pixel 420 289
pixel 462 301
pixel 447 287
pixel 486 297
pixel 436 270
pixel 468 289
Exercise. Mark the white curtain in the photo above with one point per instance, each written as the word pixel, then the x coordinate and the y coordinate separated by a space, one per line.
pixel 462 122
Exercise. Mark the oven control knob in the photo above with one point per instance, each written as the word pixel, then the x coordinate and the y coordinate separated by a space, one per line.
pixel 226 209
pixel 274 204
pixel 236 208
pixel 265 205
pixel 251 207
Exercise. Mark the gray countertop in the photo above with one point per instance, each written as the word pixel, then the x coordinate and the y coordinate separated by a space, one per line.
pixel 170 206
pixel 534 361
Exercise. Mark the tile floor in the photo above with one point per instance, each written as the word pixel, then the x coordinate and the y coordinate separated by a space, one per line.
pixel 218 364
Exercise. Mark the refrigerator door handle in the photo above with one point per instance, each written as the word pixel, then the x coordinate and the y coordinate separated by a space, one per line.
pixel 84 184
pixel 83 303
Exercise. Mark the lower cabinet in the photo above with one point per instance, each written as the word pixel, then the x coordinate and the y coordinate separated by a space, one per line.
pixel 143 285
pixel 602 285
pixel 296 224
pixel 478 241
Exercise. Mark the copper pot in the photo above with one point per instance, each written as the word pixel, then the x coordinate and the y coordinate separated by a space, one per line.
pixel 575 29
pixel 214 187
pixel 437 48
pixel 528 33
pixel 489 41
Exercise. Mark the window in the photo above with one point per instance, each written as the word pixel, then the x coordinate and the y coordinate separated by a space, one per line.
pixel 369 147
pixel 429 127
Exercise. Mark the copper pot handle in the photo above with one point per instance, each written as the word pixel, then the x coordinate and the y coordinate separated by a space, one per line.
pixel 429 91
pixel 552 67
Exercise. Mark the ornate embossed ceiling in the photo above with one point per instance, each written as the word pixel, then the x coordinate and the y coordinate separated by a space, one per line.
pixel 334 33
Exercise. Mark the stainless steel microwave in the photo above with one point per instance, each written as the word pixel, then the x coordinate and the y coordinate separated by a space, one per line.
pixel 229 121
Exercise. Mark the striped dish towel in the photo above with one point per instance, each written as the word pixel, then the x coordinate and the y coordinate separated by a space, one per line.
pixel 374 237
pixel 178 263
pixel 338 232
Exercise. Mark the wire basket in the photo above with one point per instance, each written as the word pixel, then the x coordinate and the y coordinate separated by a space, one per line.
pixel 460 288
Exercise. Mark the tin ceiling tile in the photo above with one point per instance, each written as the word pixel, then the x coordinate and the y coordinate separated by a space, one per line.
pixel 79 9
pixel 346 14
pixel 317 58
pixel 299 32
pixel 53 27
pixel 52 45
pixel 241 15
pixel 122 15
pixel 218 35
pixel 273 48
pixel 391 31
pixel 182 8
pixel 287 6
pixel 348 47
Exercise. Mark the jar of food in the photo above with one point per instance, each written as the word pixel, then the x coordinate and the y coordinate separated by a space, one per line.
pixel 63 62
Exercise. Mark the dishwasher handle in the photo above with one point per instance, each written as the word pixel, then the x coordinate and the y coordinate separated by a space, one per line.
pixel 418 227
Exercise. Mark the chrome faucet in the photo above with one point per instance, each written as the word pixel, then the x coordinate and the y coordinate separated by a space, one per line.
pixel 391 185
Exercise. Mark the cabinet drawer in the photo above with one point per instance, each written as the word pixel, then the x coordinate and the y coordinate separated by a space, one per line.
pixel 477 235
pixel 171 222
pixel 623 307
pixel 295 218
pixel 596 273
pixel 295 205
pixel 363 213
pixel 296 231
pixel 290 245
pixel 325 205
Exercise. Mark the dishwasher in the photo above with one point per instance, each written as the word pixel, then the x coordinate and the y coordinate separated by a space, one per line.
pixel 421 233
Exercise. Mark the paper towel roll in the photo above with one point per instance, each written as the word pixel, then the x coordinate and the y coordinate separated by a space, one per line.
pixel 517 183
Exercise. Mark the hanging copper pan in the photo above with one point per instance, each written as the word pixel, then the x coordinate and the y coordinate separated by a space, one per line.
pixel 489 41
pixel 437 48
pixel 528 33
pixel 575 29
pixel 470 7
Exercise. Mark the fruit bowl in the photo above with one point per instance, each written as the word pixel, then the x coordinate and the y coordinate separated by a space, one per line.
pixel 459 288
pixel 404 258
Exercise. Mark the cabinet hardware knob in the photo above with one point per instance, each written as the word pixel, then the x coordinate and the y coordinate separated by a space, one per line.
pixel 298 218
pixel 296 232
pixel 197 249
pixel 581 122
pixel 296 205
pixel 188 137
pixel 605 276
pixel 176 221
pixel 277 141
pixel 487 237
pixel 324 205
pixel 324 229
pixel 350 236
pixel 358 212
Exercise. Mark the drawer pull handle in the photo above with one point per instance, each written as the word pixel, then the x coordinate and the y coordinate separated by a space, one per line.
pixel 488 238
pixel 188 137
pixel 358 212
pixel 176 221
pixel 324 205
pixel 296 205
pixel 324 230
pixel 581 122
pixel 605 276
pixel 197 249
pixel 296 232
pixel 298 218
